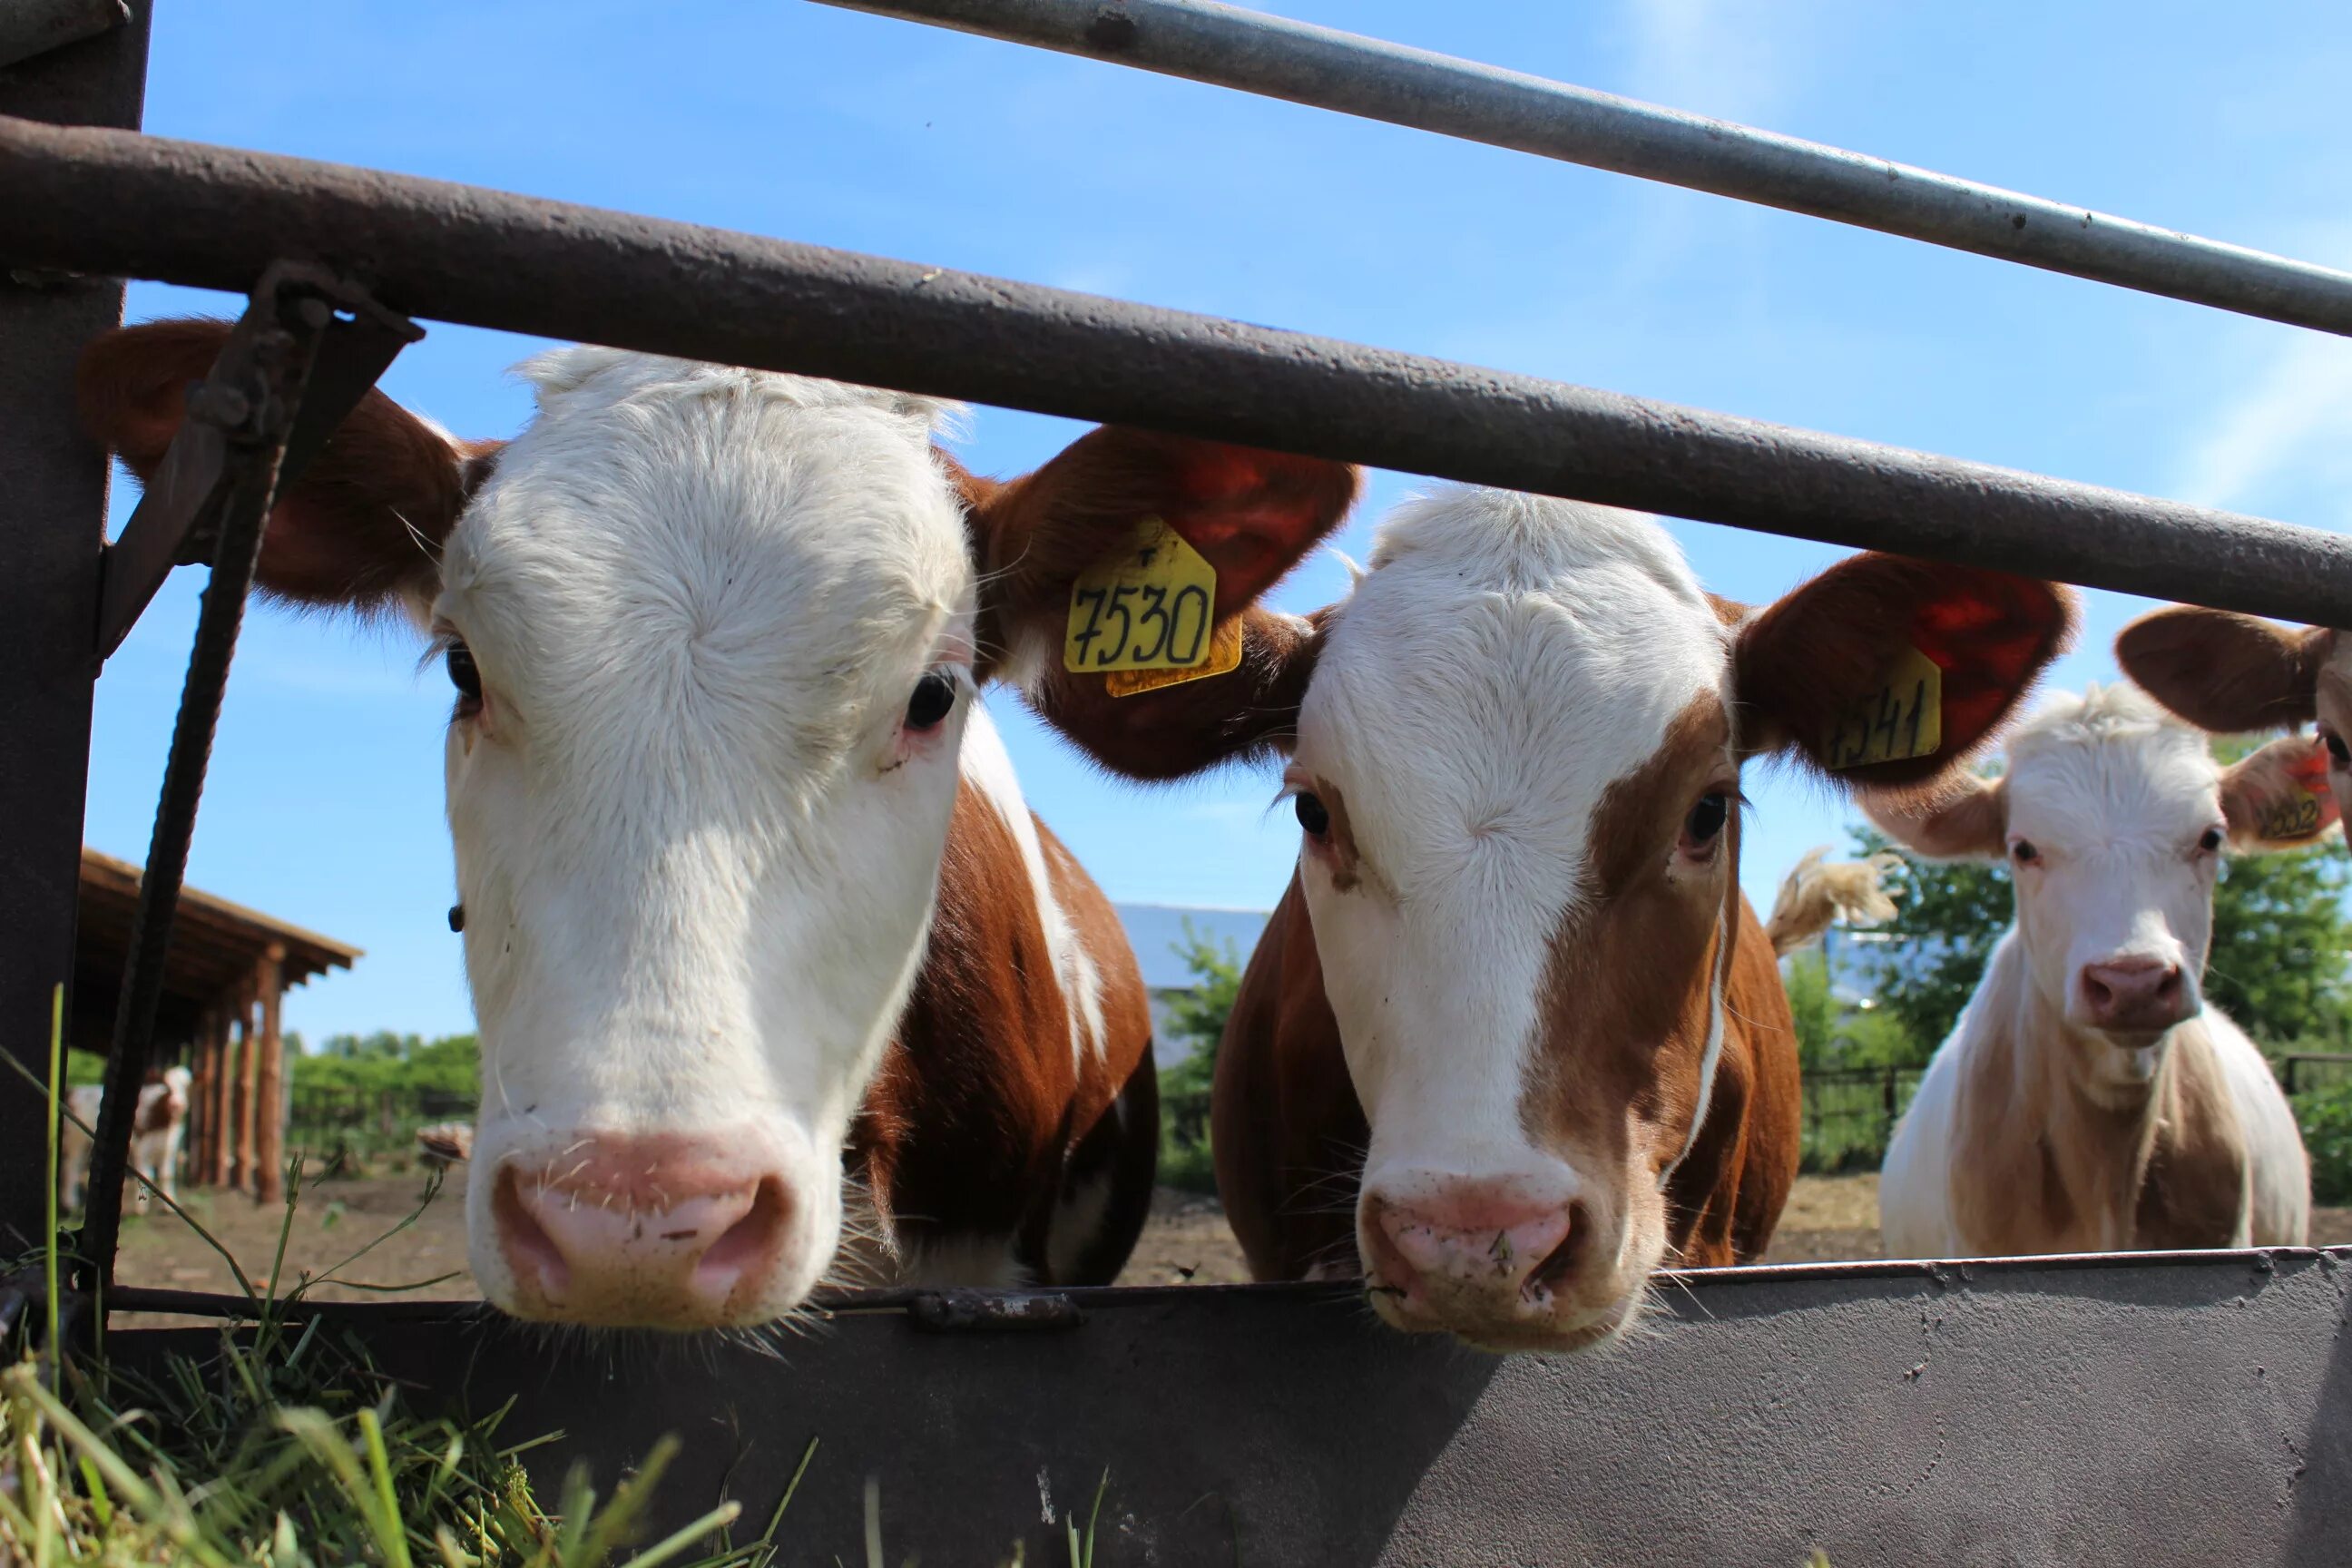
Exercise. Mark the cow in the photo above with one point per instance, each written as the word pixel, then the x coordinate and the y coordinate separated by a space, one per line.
pixel 2089 1099
pixel 746 876
pixel 156 1129
pixel 2233 675
pixel 1513 1035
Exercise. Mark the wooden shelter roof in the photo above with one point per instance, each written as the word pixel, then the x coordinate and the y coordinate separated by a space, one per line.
pixel 216 948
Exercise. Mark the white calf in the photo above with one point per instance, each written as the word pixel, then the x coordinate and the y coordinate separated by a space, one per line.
pixel 2088 1100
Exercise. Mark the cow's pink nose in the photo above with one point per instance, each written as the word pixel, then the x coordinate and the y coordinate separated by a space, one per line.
pixel 1469 1239
pixel 2134 994
pixel 627 1233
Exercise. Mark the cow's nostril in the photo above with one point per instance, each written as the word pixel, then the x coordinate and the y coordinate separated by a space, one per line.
pixel 747 1246
pixel 526 1242
pixel 1561 1260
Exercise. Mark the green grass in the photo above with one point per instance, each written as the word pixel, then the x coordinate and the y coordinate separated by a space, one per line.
pixel 282 1445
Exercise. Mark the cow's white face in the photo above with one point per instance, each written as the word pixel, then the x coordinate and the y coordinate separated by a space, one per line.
pixel 714 634
pixel 2114 836
pixel 1504 663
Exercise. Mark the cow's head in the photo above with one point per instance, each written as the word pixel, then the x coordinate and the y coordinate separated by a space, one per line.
pixel 2114 817
pixel 714 636
pixel 2235 675
pixel 1514 751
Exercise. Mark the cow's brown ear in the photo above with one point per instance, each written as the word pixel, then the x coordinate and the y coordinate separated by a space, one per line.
pixel 2226 672
pixel 2278 797
pixel 1967 820
pixel 1885 672
pixel 364 524
pixel 1249 514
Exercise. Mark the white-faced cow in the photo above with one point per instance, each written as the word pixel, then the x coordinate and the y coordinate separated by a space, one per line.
pixel 2234 675
pixel 746 875
pixel 156 1130
pixel 1514 1035
pixel 2088 1100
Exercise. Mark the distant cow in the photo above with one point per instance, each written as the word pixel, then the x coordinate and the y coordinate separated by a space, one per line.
pixel 2090 1099
pixel 156 1132
pixel 1514 1035
pixel 746 874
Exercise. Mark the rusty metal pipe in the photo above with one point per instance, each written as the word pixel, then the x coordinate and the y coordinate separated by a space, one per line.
pixel 1323 68
pixel 112 202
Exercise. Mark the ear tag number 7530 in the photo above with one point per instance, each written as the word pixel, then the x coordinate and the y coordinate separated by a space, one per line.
pixel 1148 607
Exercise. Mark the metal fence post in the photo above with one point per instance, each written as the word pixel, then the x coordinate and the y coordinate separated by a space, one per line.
pixel 53 486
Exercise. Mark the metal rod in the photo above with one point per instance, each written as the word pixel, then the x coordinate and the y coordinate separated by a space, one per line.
pixel 257 412
pixel 142 206
pixel 1325 69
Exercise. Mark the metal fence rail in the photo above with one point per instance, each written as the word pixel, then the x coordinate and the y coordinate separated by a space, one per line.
pixel 109 201
pixel 1325 69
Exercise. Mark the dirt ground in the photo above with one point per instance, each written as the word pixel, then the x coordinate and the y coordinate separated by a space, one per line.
pixel 1828 1217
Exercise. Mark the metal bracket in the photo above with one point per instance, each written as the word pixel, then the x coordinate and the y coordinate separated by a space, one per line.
pixel 250 422
pixel 178 520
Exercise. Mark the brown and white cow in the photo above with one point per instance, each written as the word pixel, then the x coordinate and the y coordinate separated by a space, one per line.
pixel 156 1130
pixel 2088 1099
pixel 2234 675
pixel 746 874
pixel 1514 1035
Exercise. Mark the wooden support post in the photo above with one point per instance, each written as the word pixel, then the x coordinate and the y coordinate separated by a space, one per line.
pixel 269 1144
pixel 248 1085
pixel 199 1107
pixel 222 1151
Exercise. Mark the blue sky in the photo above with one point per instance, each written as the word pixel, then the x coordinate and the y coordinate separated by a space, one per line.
pixel 812 124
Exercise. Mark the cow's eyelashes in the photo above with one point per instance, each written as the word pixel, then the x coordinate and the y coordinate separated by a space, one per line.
pixel 933 700
pixel 458 659
pixel 1314 816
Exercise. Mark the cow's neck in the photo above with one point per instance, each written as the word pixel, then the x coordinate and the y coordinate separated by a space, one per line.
pixel 2069 1142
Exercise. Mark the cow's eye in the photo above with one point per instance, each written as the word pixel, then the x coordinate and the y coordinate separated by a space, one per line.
pixel 2337 751
pixel 933 701
pixel 465 677
pixel 2023 853
pixel 1705 820
pixel 1313 815
pixel 2209 840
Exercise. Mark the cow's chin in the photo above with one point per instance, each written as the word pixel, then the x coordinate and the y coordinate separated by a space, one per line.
pixel 1597 1305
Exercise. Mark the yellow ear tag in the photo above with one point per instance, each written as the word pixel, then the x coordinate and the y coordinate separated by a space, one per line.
pixel 2291 819
pixel 1225 654
pixel 1902 718
pixel 1148 607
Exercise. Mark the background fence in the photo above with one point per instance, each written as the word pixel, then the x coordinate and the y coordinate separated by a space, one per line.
pixel 334 1124
pixel 1849 1114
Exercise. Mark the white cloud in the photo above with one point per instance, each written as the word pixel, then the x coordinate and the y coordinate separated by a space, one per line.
pixel 2282 434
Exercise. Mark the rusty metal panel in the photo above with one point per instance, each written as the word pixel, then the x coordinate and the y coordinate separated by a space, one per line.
pixel 52 521
pixel 212 217
pixel 2137 1411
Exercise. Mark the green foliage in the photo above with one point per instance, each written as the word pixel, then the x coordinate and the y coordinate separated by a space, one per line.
pixel 1947 917
pixel 1199 1016
pixel 1807 980
pixel 2279 940
pixel 451 1065
pixel 2325 1117
pixel 1199 1019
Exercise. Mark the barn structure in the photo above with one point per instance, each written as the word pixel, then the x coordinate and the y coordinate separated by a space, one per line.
pixel 225 974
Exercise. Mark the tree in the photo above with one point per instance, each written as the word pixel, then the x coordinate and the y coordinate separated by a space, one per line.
pixel 1948 917
pixel 1198 1015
